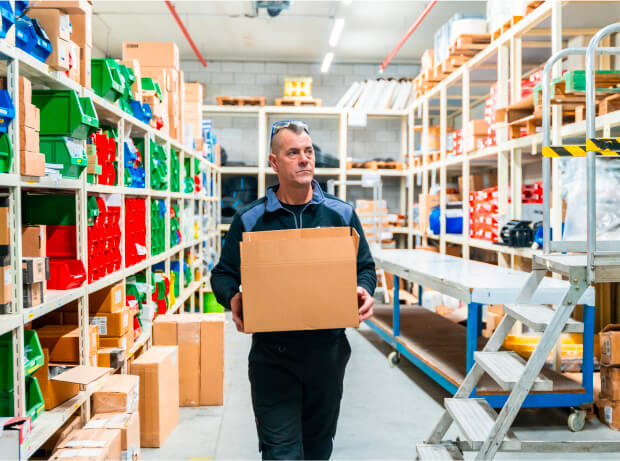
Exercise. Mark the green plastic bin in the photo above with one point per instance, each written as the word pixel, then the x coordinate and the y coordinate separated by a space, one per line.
pixel 68 151
pixel 128 79
pixel 105 79
pixel 125 106
pixel 48 209
pixel 210 304
pixel 33 355
pixel 6 153
pixel 148 84
pixel 64 113
pixel 35 405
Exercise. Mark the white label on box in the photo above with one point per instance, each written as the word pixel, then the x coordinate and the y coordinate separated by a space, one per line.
pixel 125 319
pixel 141 250
pixel 102 325
pixel 86 443
pixel 84 452
pixel 174 356
pixel 124 343
pixel 96 424
pixel 607 347
pixel 117 297
pixel 608 414
pixel 7 276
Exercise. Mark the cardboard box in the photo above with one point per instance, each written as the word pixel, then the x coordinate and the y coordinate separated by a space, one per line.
pixel 28 117
pixel 82 29
pixel 74 423
pixel 152 54
pixel 63 342
pixel 426 203
pixel 54 392
pixel 33 294
pixel 160 75
pixel 111 357
pixel 55 22
pixel 35 269
pixel 74 61
pixel 271 266
pixel 109 300
pixel 609 413
pixel 125 342
pixel 73 7
pixel 4 225
pixel 59 57
pixel 610 344
pixel 25 91
pixel 212 359
pixel 32 163
pixel 432 140
pixel 128 424
pixel 6 287
pixel 475 128
pixel 194 92
pixel 610 383
pixel 117 394
pixel 112 323
pixel 158 372
pixel 33 241
pixel 86 54
pixel 479 181
pixel 91 445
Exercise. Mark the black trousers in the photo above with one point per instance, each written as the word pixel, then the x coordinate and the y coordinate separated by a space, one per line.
pixel 296 395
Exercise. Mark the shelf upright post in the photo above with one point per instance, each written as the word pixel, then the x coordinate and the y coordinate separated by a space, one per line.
pixel 516 170
pixel 503 156
pixel 556 125
pixel 146 156
pixel 15 246
pixel 443 131
pixel 403 151
pixel 342 152
pixel 466 113
pixel 120 127
pixel 262 150
pixel 410 176
pixel 425 142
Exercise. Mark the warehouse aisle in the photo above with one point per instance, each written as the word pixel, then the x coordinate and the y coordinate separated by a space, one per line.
pixel 385 412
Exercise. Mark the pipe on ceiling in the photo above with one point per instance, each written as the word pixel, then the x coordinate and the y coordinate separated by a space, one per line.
pixel 413 27
pixel 174 13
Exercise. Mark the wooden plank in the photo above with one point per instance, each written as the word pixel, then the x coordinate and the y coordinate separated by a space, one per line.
pixel 440 344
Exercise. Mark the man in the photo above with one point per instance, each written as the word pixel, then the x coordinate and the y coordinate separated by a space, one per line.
pixel 296 377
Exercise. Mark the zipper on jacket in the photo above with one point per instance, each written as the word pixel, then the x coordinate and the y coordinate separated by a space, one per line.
pixel 301 215
pixel 294 216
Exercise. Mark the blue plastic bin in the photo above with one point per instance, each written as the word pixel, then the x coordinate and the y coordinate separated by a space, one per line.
pixel 32 38
pixel 7 111
pixel 141 111
pixel 20 8
pixel 454 225
pixel 7 17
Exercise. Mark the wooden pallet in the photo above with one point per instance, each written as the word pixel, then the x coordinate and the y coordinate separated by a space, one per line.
pixel 531 6
pixel 241 101
pixel 383 165
pixel 297 102
pixel 432 157
pixel 470 44
pixel 507 25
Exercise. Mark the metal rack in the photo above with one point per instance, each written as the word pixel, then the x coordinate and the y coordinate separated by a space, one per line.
pixel 204 204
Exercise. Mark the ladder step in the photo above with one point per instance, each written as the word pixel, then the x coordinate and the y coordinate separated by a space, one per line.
pixel 506 368
pixel 537 317
pixel 440 452
pixel 475 418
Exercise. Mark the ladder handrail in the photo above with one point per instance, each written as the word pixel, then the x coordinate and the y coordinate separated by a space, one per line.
pixel 591 133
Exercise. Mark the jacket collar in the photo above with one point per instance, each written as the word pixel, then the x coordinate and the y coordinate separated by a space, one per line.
pixel 274 204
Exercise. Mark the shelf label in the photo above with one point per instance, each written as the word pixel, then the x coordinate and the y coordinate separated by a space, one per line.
pixel 75 148
pixel 102 325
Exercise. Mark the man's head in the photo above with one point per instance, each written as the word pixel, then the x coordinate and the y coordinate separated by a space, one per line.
pixel 292 154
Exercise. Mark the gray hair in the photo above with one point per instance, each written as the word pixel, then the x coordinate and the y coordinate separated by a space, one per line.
pixel 294 127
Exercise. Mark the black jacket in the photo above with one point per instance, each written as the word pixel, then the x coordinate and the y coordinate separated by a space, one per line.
pixel 267 213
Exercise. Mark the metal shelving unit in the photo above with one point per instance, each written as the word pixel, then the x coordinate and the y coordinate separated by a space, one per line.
pixel 205 210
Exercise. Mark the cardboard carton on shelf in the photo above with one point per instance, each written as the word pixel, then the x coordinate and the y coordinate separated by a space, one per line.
pixel 72 7
pixel 112 323
pixel 152 54
pixel 158 372
pixel 194 92
pixel 275 259
pixel 128 424
pixel 56 22
pixel 110 299
pixel 112 357
pixel 6 287
pixel 32 163
pixel 35 269
pixel 63 342
pixel 33 241
pixel 82 28
pixel 159 75
pixel 117 394
pixel 25 91
pixel 4 225
pixel 91 445
pixel 86 54
pixel 54 392
pixel 74 62
pixel 610 344
pixel 610 383
pixel 34 294
pixel 29 117
pixel 125 342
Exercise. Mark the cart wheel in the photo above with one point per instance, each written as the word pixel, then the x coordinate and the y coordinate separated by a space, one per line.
pixel 394 359
pixel 577 420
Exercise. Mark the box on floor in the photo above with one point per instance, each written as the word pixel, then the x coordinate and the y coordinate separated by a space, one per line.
pixel 610 344
pixel 91 445
pixel 128 424
pixel 158 372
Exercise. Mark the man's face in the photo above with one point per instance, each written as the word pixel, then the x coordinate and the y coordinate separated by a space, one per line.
pixel 294 161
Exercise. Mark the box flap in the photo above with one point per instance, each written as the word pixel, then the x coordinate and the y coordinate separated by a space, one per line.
pixel 612 327
pixel 291 234
pixel 82 374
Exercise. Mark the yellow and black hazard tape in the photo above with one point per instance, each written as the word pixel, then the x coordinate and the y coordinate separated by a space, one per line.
pixel 605 146
pixel 564 151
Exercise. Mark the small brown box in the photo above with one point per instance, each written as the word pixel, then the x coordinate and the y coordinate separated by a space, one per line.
pixel 610 383
pixel 609 413
pixel 118 393
pixel 610 345
pixel 33 241
pixel 32 163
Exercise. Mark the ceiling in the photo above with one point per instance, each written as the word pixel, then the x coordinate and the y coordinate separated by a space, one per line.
pixel 225 30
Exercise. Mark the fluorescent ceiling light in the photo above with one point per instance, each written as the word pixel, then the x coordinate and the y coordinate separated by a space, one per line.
pixel 336 32
pixel 346 2
pixel 327 61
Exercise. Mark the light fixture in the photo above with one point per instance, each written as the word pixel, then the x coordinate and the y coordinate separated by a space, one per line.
pixel 327 61
pixel 334 37
pixel 346 2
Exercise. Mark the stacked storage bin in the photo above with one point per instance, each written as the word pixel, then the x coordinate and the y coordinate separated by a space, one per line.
pixel 188 180
pixel 159 163
pixel 175 226
pixel 104 239
pixel 134 168
pixel 483 223
pixel 135 231
pixel 7 113
pixel 33 361
pixel 105 149
pixel 57 212
pixel 161 293
pixel 158 229
pixel 175 172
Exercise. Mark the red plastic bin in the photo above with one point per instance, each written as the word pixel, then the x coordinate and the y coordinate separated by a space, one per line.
pixel 66 274
pixel 61 241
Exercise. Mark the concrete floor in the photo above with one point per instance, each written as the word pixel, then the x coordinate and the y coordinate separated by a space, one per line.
pixel 385 412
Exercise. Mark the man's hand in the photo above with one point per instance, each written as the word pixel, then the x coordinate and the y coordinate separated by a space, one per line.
pixel 365 303
pixel 236 306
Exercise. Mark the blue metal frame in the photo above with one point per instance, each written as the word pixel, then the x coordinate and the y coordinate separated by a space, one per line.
pixel 474 329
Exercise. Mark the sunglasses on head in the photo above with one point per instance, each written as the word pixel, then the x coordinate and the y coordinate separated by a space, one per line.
pixel 295 125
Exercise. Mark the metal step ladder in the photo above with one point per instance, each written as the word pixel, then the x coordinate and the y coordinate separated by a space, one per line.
pixel 484 430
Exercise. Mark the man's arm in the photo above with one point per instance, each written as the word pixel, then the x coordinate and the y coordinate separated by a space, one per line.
pixel 226 275
pixel 366 274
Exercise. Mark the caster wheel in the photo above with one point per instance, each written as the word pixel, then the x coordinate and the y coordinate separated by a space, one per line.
pixel 394 359
pixel 577 420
